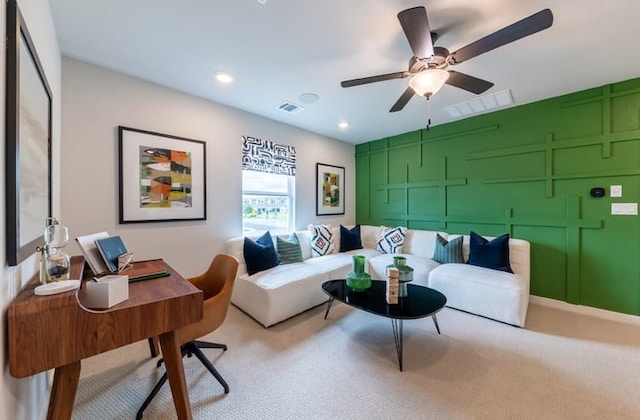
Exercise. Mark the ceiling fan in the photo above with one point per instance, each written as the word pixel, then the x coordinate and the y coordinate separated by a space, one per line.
pixel 428 66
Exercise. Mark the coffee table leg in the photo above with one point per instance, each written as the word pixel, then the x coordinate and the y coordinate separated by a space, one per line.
pixel 328 308
pixel 435 321
pixel 396 324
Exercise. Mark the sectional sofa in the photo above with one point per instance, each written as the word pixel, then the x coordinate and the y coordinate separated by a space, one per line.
pixel 278 293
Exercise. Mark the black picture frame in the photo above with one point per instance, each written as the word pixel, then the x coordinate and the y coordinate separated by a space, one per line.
pixel 28 141
pixel 162 177
pixel 329 189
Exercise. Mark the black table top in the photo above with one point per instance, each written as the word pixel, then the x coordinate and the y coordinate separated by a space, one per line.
pixel 420 301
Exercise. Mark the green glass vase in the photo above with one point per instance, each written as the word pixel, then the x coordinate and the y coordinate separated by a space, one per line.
pixel 357 279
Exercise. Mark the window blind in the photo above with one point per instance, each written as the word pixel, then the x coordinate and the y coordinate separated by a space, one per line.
pixel 266 156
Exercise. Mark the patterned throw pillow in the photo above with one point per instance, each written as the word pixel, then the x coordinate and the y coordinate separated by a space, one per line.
pixel 259 254
pixel 390 240
pixel 350 238
pixel 448 252
pixel 321 240
pixel 490 254
pixel 288 248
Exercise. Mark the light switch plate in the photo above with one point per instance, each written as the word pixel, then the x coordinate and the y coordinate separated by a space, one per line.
pixel 624 208
pixel 615 191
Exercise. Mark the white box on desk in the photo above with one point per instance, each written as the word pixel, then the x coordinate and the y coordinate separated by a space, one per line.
pixel 107 291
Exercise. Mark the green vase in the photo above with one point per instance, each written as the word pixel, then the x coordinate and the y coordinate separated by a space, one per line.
pixel 405 274
pixel 357 279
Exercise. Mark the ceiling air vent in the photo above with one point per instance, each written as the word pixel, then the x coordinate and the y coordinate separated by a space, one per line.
pixel 290 107
pixel 480 104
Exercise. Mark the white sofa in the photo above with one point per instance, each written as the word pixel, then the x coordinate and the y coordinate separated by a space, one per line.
pixel 283 291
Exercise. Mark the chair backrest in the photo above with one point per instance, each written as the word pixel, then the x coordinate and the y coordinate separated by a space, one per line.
pixel 216 284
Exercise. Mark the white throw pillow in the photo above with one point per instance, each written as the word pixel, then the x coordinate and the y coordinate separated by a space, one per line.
pixel 321 240
pixel 390 240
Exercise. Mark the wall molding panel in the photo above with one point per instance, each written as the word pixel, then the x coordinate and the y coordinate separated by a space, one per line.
pixel 526 171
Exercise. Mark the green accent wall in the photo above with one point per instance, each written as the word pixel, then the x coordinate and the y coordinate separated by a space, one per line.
pixel 526 171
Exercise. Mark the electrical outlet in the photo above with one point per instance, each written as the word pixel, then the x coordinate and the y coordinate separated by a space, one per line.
pixel 615 191
pixel 624 208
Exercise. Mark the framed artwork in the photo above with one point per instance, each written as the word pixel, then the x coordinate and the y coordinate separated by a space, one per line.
pixel 28 142
pixel 162 177
pixel 329 189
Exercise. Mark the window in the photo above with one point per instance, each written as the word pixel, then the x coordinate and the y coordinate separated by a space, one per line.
pixel 267 202
pixel 268 185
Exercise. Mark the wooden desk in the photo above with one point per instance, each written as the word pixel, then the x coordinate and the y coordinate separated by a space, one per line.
pixel 56 331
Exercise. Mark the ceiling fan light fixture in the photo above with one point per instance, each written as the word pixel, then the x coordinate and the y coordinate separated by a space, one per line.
pixel 428 82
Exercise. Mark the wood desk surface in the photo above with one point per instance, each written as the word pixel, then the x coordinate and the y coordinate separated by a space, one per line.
pixel 46 332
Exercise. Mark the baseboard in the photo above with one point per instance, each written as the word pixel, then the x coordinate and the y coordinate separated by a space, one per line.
pixel 585 310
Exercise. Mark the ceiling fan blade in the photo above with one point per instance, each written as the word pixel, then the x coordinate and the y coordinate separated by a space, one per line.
pixel 525 27
pixel 402 100
pixel 415 25
pixel 373 79
pixel 466 82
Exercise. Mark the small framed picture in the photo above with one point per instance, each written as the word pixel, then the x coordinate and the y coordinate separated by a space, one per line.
pixel 162 177
pixel 329 189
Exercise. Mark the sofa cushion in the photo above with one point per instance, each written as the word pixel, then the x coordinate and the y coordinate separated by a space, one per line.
pixel 259 254
pixel 448 252
pixel 336 266
pixel 350 238
pixel 321 240
pixel 490 254
pixel 284 275
pixel 288 249
pixel 491 293
pixel 390 240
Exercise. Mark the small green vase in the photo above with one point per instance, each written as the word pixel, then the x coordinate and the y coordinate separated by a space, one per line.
pixel 405 274
pixel 357 279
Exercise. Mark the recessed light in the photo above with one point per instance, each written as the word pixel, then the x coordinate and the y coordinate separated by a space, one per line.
pixel 343 124
pixel 309 98
pixel 223 77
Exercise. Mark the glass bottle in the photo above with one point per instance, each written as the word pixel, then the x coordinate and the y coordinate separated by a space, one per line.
pixel 57 266
pixel 57 262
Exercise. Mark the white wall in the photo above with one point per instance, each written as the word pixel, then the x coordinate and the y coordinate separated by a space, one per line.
pixel 96 100
pixel 27 398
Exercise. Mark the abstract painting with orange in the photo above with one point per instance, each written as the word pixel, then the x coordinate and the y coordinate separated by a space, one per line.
pixel 165 178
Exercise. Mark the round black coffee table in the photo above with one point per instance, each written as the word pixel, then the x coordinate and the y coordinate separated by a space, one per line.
pixel 420 302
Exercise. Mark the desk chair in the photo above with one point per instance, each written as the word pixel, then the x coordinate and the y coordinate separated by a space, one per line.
pixel 216 284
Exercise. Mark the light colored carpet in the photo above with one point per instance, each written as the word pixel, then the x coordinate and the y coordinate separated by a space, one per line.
pixel 561 366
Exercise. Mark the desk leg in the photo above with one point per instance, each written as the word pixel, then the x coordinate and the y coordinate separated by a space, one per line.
pixel 153 346
pixel 63 393
pixel 175 372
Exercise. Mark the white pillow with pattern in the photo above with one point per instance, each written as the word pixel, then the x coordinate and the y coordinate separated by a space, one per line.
pixel 390 240
pixel 321 240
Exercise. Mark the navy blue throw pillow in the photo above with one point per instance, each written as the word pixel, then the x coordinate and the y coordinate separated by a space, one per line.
pixel 260 254
pixel 350 238
pixel 490 254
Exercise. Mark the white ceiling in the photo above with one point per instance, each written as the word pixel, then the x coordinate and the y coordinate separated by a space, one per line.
pixel 284 48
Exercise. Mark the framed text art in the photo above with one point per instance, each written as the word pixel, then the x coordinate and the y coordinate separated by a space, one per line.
pixel 28 142
pixel 162 177
pixel 329 189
